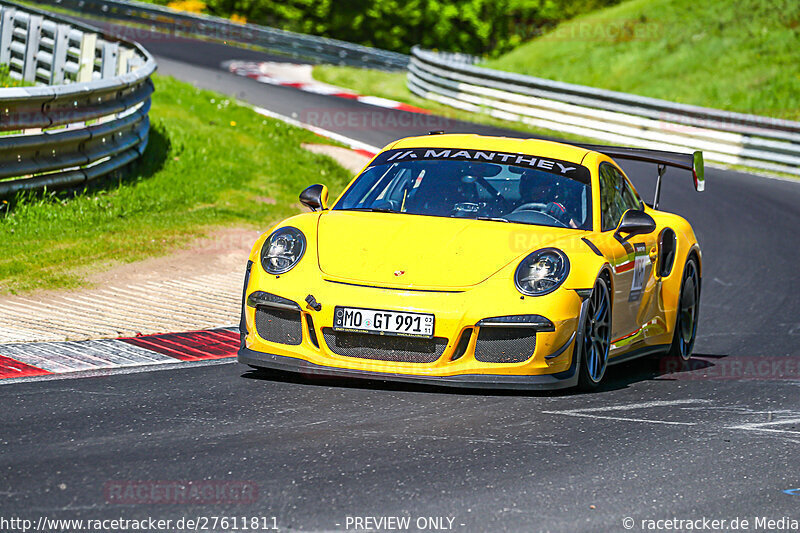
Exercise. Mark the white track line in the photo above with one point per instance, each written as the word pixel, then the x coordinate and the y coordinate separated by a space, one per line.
pixel 760 426
pixel 587 412
pixel 621 418
pixel 352 143
pixel 641 405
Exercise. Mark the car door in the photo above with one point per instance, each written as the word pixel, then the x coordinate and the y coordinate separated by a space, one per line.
pixel 634 282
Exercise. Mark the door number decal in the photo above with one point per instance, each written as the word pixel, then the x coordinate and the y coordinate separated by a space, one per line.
pixel 640 262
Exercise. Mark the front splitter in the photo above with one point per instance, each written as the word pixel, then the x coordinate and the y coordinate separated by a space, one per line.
pixel 561 380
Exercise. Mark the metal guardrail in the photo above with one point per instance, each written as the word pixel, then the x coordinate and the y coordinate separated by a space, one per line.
pixel 613 117
pixel 87 114
pixel 295 45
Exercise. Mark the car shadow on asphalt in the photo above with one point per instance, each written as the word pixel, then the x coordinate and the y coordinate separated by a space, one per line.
pixel 617 377
pixel 655 368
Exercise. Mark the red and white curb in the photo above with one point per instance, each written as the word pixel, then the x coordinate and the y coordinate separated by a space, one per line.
pixel 299 77
pixel 48 360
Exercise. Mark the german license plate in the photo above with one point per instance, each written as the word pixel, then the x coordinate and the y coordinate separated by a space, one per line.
pixel 383 322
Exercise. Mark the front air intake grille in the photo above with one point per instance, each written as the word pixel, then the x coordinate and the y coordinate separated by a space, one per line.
pixel 384 347
pixel 279 325
pixel 504 345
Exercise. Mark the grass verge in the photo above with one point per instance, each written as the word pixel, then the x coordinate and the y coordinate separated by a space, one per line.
pixel 739 56
pixel 209 163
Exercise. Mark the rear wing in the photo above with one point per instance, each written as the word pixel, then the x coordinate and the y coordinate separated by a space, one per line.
pixel 693 162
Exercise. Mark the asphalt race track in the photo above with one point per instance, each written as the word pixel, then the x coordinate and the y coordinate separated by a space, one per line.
pixel 719 441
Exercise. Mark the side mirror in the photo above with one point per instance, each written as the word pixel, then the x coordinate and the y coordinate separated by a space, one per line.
pixel 635 222
pixel 315 197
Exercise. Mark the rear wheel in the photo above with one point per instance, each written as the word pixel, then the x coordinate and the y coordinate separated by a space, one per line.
pixel 595 337
pixel 688 306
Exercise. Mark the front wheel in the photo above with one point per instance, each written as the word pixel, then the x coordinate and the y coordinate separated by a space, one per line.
pixel 686 321
pixel 594 337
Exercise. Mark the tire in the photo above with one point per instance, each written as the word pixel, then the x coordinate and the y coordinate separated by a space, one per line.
pixel 594 337
pixel 685 331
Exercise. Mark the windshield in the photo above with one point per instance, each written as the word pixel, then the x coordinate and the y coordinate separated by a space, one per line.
pixel 497 186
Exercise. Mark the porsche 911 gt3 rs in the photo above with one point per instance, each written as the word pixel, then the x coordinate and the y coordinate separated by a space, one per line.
pixel 480 262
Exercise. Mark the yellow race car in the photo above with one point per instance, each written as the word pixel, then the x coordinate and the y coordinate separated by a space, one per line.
pixel 478 262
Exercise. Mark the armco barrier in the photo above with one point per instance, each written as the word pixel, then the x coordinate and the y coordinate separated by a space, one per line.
pixel 613 117
pixel 295 45
pixel 87 115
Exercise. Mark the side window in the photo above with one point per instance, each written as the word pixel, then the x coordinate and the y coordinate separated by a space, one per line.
pixel 616 196
pixel 629 196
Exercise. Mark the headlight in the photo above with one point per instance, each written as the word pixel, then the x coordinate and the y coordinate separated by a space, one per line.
pixel 541 272
pixel 282 250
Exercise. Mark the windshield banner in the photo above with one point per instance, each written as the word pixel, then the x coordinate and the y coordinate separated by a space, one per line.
pixel 544 164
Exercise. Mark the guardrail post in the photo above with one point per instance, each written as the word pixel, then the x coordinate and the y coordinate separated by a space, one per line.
pixel 6 31
pixel 32 48
pixel 60 47
pixel 123 61
pixel 86 60
pixel 108 60
pixel 134 63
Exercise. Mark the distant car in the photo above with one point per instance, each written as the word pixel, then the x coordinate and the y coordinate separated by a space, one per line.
pixel 477 262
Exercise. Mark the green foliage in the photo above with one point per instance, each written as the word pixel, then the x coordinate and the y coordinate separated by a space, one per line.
pixel 473 26
pixel 209 162
pixel 7 81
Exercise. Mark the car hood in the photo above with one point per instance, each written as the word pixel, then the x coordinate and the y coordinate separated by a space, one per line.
pixel 422 251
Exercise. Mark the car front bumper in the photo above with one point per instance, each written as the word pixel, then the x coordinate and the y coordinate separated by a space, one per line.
pixel 315 349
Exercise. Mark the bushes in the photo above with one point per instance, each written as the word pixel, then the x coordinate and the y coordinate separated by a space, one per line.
pixel 484 27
